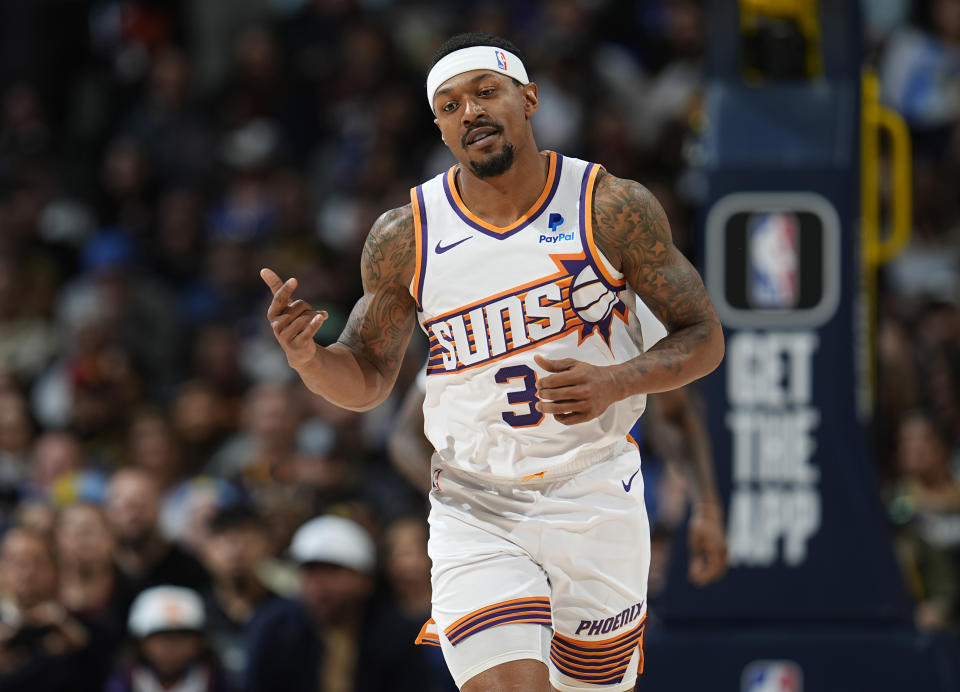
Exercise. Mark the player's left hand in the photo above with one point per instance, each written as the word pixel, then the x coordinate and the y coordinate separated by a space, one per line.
pixel 706 545
pixel 574 391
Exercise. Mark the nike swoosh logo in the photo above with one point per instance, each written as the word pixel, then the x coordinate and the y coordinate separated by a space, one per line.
pixel 441 249
pixel 629 484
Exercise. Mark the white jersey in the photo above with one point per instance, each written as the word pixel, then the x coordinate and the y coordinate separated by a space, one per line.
pixel 489 298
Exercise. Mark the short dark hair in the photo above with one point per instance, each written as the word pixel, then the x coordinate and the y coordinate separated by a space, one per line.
pixel 471 39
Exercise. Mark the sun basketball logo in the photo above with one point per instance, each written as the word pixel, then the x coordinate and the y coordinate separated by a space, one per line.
pixel 591 300
pixel 501 59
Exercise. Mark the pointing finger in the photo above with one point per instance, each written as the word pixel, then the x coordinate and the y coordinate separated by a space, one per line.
pixel 281 299
pixel 271 279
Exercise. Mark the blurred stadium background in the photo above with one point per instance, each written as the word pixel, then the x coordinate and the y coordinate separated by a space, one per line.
pixel 154 154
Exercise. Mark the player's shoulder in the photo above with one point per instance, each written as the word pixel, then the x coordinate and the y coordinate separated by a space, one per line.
pixel 394 230
pixel 390 248
pixel 625 211
pixel 614 192
pixel 394 222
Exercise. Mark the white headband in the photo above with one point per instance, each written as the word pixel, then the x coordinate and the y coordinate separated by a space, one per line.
pixel 474 58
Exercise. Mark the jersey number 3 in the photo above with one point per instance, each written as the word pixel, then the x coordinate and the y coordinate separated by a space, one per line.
pixel 527 395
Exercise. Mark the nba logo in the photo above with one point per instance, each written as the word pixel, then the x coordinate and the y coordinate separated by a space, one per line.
pixel 501 59
pixel 772 676
pixel 773 261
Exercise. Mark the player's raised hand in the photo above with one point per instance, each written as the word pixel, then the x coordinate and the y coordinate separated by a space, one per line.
pixel 294 322
pixel 706 545
pixel 574 391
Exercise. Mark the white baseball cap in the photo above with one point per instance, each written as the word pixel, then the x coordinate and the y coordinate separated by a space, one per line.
pixel 335 541
pixel 166 609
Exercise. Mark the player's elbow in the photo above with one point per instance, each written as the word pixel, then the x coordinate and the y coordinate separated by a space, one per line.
pixel 717 345
pixel 364 406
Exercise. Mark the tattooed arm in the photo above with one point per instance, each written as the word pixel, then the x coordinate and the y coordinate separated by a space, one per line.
pixel 359 370
pixel 631 230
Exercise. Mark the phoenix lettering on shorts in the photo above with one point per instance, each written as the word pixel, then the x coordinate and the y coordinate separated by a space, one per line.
pixel 625 617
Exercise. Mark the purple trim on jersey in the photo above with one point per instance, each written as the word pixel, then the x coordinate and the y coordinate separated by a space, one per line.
pixel 584 308
pixel 506 234
pixel 424 248
pixel 583 231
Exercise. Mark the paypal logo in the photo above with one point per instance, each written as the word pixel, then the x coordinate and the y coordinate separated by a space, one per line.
pixel 554 222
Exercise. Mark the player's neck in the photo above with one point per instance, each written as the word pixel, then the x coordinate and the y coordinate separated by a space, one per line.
pixel 501 200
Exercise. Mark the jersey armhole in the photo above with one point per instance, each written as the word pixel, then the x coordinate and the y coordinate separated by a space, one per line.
pixel 420 234
pixel 611 278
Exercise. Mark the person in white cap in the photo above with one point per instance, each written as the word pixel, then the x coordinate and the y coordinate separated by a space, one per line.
pixel 349 640
pixel 521 266
pixel 172 653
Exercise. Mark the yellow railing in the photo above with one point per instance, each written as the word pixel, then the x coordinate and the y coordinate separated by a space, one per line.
pixel 876 118
pixel 877 247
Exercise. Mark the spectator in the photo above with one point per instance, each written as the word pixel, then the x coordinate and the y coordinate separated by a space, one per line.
pixel 926 505
pixel 55 454
pixel 172 653
pixel 153 446
pixel 143 555
pixel 407 567
pixel 237 546
pixel 200 419
pixel 42 647
pixel 337 637
pixel 266 449
pixel 90 587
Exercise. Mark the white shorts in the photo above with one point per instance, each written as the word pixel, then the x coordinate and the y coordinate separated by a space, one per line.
pixel 550 569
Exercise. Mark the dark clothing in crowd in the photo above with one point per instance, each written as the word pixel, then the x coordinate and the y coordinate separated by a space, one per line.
pixel 26 664
pixel 177 568
pixel 204 676
pixel 286 649
pixel 228 636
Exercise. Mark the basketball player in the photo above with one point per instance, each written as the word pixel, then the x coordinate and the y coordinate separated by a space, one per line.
pixel 521 266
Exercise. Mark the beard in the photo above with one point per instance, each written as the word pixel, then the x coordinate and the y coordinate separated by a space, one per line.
pixel 495 164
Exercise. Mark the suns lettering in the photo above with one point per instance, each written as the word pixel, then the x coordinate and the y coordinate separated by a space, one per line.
pixel 539 310
pixel 507 312
pixel 441 330
pixel 490 331
pixel 472 346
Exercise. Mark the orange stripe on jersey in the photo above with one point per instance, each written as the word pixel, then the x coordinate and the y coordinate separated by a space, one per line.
pixel 440 370
pixel 588 231
pixel 533 211
pixel 562 273
pixel 416 287
pixel 633 441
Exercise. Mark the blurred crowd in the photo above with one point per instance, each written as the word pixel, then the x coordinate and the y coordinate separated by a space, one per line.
pixel 915 48
pixel 177 511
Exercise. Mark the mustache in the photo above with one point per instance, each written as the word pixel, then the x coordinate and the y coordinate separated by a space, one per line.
pixel 477 126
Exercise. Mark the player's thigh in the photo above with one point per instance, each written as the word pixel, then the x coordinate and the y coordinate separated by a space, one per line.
pixel 491 600
pixel 597 566
pixel 524 675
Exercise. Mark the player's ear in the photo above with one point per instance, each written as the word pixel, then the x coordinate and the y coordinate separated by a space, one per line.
pixel 531 99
